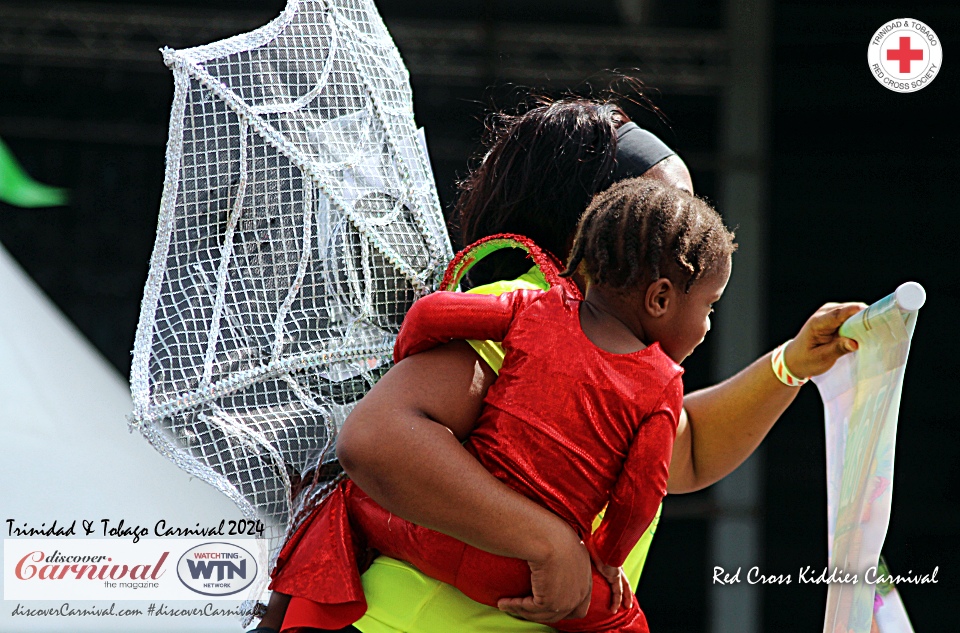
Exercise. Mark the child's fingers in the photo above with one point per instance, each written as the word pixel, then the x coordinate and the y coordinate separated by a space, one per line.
pixel 618 583
pixel 616 590
pixel 617 580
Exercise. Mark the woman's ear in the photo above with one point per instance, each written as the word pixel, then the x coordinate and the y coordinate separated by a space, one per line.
pixel 658 297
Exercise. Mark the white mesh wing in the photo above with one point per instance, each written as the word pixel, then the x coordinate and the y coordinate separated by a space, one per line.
pixel 299 220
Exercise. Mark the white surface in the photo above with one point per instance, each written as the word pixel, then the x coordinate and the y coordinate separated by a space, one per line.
pixel 911 296
pixel 861 397
pixel 68 454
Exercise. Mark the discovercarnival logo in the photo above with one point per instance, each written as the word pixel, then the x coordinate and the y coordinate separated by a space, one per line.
pixel 108 569
pixel 217 569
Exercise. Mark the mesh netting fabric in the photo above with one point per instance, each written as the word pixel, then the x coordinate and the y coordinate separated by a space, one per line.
pixel 299 221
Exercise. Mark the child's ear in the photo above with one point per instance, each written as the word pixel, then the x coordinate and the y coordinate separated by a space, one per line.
pixel 658 297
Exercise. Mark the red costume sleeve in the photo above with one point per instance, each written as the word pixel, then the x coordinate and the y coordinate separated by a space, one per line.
pixel 643 481
pixel 444 316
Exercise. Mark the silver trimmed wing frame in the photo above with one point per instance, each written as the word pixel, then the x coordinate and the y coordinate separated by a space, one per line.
pixel 298 222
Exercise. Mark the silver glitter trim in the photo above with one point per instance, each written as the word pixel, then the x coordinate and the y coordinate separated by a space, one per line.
pixel 299 220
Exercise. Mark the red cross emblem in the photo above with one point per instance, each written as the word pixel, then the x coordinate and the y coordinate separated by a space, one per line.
pixel 905 54
pixel 893 49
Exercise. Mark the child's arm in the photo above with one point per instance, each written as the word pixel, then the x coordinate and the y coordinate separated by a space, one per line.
pixel 642 483
pixel 444 316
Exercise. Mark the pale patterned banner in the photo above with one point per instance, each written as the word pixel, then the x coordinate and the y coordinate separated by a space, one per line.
pixel 861 397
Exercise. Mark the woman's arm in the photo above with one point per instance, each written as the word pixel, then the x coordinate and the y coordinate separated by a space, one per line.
pixel 401 445
pixel 722 425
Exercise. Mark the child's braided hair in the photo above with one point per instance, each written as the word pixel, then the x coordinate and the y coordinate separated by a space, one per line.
pixel 639 230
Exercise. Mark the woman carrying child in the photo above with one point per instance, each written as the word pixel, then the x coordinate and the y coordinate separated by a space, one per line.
pixel 542 169
pixel 599 433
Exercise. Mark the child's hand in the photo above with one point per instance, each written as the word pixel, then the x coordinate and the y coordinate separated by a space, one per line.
pixel 819 344
pixel 619 585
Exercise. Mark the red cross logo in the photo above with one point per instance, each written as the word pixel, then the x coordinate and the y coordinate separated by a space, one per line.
pixel 905 54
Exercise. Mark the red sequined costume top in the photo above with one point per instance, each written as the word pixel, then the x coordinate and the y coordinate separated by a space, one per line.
pixel 566 424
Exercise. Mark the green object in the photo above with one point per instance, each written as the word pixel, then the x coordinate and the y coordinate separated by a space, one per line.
pixel 491 351
pixel 20 190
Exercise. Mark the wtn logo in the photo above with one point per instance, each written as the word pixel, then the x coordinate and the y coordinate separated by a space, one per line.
pixel 217 569
pixel 225 569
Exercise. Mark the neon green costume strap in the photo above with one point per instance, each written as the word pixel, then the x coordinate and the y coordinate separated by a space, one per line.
pixel 467 258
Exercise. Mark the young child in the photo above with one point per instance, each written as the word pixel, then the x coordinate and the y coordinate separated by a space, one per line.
pixel 583 414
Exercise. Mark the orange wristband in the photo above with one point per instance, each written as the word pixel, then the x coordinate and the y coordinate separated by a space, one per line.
pixel 780 368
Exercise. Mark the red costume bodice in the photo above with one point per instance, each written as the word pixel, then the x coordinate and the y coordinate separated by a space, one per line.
pixel 567 424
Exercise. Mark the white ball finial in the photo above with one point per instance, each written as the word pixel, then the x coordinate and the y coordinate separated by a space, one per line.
pixel 911 296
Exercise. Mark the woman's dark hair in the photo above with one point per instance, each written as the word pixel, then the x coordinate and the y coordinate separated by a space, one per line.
pixel 540 172
pixel 639 230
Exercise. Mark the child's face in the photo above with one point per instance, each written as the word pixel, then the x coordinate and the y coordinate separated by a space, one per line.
pixel 689 322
